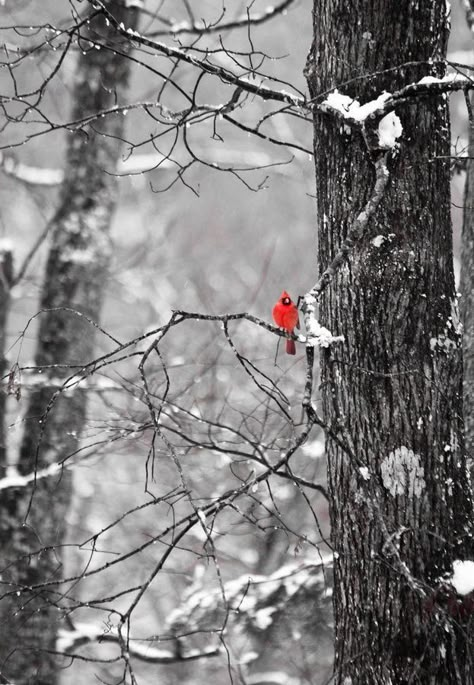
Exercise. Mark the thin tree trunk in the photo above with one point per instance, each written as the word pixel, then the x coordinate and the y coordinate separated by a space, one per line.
pixel 393 389
pixel 6 272
pixel 75 278
pixel 467 299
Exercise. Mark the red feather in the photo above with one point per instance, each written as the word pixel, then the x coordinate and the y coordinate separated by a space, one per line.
pixel 285 315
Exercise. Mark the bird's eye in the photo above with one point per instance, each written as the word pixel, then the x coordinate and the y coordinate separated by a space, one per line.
pixel 286 300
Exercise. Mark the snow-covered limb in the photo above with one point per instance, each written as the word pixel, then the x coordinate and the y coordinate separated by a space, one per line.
pixel 253 601
pixel 389 126
pixel 380 111
pixel 13 479
pixel 316 335
pixel 134 165
pixel 84 633
pixel 30 174
pixel 271 678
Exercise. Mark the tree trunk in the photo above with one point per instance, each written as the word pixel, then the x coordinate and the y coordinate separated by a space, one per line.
pixel 6 273
pixel 75 278
pixel 393 389
pixel 467 299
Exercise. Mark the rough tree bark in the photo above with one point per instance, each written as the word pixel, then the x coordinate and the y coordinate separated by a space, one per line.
pixel 467 293
pixel 33 521
pixel 6 273
pixel 393 389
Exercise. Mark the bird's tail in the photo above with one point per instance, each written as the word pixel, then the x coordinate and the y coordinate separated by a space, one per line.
pixel 290 347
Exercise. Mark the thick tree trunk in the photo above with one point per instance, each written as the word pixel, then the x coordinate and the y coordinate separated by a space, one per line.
pixel 393 388
pixel 75 278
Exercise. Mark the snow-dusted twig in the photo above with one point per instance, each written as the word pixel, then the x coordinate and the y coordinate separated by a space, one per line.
pixel 371 114
pixel 204 65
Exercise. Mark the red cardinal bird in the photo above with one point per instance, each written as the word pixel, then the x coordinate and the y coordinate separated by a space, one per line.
pixel 285 315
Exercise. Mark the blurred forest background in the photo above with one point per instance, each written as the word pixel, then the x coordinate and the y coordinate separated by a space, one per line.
pixel 208 243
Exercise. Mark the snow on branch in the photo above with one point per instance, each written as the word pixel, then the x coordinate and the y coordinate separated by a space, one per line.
pixel 379 113
pixel 316 335
pixel 254 601
pixel 83 634
pixel 389 126
pixel 29 174
pixel 13 479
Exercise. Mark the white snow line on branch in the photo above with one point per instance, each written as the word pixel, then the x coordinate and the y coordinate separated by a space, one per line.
pixel 13 479
pixel 84 633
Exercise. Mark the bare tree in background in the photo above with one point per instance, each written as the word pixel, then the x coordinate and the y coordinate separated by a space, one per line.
pixel 33 518
pixel 212 468
pixel 467 272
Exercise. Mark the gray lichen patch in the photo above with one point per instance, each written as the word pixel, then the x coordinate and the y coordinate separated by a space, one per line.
pixel 402 473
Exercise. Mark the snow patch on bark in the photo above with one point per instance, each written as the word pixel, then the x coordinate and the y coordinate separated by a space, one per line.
pixel 390 129
pixel 450 339
pixel 462 579
pixel 402 473
pixel 378 240
pixel 442 343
